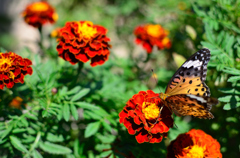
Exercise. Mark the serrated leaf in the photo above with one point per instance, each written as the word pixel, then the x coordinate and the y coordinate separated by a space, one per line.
pixel 24 121
pixel 70 156
pixel 19 130
pixel 74 111
pixel 17 144
pixel 209 33
pixel 36 154
pixel 232 71
pixel 106 153
pixel 76 148
pixel 80 94
pixel 106 138
pixel 233 79
pixel 31 116
pixel 7 131
pixel 227 107
pixel 63 91
pixel 66 112
pixel 107 126
pixel 92 115
pixel 44 113
pixel 54 137
pixel 225 98
pixel 74 90
pixel 86 105
pixel 91 129
pixel 208 45
pixel 54 148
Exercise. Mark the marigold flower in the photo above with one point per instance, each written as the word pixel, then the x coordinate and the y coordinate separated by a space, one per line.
pixel 13 68
pixel 150 35
pixel 194 144
pixel 81 41
pixel 16 102
pixel 142 117
pixel 39 13
pixel 55 33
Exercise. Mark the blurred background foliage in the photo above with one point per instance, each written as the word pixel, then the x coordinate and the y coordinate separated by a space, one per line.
pixel 69 114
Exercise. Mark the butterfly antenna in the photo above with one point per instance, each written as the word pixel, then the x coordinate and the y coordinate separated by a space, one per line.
pixel 154 76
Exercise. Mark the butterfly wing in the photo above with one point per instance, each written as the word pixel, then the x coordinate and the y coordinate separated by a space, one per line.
pixel 188 104
pixel 190 77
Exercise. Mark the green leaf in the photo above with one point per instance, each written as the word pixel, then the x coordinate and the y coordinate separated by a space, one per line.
pixel 74 111
pixel 54 137
pixel 66 112
pixel 209 34
pixel 80 94
pixel 76 148
pixel 36 154
pixel 91 129
pixel 225 98
pixel 17 144
pixel 91 115
pixel 31 116
pixel 86 105
pixel 107 126
pixel 7 131
pixel 54 148
pixel 233 79
pixel 74 90
pixel 19 130
pixel 232 71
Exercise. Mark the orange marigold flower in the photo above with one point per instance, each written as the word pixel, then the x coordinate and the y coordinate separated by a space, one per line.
pixel 81 41
pixel 13 68
pixel 194 144
pixel 16 102
pixel 141 116
pixel 150 35
pixel 55 33
pixel 39 13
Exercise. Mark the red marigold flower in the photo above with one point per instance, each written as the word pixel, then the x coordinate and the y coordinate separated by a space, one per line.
pixel 81 41
pixel 142 117
pixel 13 68
pixel 39 13
pixel 194 144
pixel 150 35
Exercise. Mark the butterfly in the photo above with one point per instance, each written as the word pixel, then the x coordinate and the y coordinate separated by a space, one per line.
pixel 186 92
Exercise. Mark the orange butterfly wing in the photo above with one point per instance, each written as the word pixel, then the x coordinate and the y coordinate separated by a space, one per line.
pixel 186 93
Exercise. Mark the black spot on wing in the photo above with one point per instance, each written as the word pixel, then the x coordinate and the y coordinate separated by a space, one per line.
pixel 195 66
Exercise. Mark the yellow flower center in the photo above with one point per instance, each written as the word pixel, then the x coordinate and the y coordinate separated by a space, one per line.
pixel 154 30
pixel 5 63
pixel 87 30
pixel 196 152
pixel 150 110
pixel 39 6
pixel 55 16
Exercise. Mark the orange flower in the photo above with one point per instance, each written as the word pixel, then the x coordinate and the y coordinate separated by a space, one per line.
pixel 81 41
pixel 16 102
pixel 141 116
pixel 55 33
pixel 13 68
pixel 39 13
pixel 194 144
pixel 149 35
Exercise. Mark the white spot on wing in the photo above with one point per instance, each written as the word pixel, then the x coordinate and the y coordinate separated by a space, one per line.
pixel 195 63
pixel 197 98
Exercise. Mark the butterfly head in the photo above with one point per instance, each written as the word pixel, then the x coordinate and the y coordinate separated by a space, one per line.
pixel 163 96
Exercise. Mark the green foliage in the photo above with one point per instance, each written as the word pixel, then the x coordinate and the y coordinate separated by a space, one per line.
pixel 73 110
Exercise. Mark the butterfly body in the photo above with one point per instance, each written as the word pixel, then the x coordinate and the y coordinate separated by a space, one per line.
pixel 186 92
